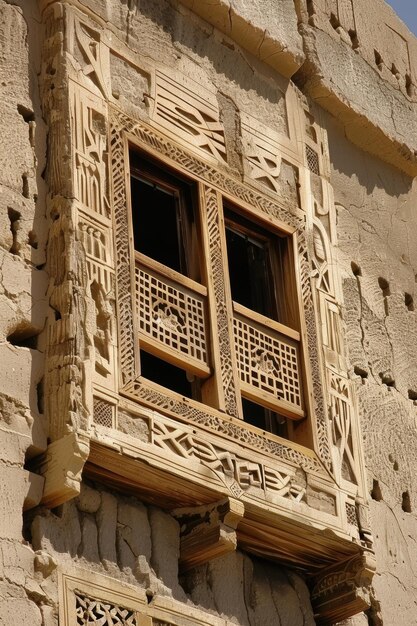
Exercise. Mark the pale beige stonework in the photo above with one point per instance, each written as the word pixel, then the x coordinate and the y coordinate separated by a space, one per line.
pixel 129 503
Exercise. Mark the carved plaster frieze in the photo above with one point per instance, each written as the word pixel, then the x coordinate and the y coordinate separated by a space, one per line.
pixel 189 113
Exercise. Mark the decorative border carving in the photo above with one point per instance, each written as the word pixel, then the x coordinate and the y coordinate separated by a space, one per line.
pixel 190 113
pixel 191 411
pixel 223 330
pixel 238 473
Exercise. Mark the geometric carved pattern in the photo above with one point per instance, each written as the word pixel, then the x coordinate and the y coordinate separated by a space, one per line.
pixel 125 303
pixel 267 361
pixel 217 270
pixel 310 320
pixel 103 413
pixel 238 473
pixel 351 514
pixel 95 244
pixel 90 52
pixel 189 116
pixel 172 315
pixel 90 139
pixel 265 163
pixel 312 160
pixel 192 412
pixel 91 612
pixel 341 421
pixel 268 158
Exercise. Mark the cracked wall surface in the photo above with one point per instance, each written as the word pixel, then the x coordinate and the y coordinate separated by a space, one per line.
pixel 376 229
pixel 23 306
pixel 246 61
pixel 120 537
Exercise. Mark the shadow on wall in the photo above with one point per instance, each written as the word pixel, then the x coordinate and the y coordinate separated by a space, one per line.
pixel 123 538
pixel 234 69
pixel 371 173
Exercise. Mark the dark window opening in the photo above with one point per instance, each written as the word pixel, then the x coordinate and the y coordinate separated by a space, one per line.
pixel 164 225
pixel 257 262
pixel 249 272
pixel 169 376
pixel 263 418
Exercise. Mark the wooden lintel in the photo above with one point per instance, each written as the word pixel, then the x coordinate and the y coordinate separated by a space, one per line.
pixel 208 532
pixel 342 590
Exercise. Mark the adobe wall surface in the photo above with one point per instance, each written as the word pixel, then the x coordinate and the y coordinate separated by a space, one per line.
pixel 104 532
pixel 245 68
pixel 23 290
pixel 376 229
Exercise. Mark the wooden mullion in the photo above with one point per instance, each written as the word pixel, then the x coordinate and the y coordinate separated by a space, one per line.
pixel 223 388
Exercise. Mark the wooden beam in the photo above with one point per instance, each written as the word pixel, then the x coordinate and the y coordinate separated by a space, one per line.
pixel 342 590
pixel 208 532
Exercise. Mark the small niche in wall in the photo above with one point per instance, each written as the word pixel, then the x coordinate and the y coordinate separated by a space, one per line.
pixel 384 286
pixel 412 394
pixel 354 38
pixel 409 86
pixel 409 302
pixel 387 379
pixel 360 372
pixel 406 502
pixel 378 60
pixel 376 493
pixel 24 335
pixel 14 218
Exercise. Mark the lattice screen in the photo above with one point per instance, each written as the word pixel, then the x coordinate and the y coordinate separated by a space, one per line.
pixel 312 160
pixel 173 316
pixel 267 361
pixel 351 514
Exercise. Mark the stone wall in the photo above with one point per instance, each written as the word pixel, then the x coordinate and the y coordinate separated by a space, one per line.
pixel 338 60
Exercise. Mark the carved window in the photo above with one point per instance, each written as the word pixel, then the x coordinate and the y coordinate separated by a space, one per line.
pixel 171 300
pixel 175 316
pixel 265 321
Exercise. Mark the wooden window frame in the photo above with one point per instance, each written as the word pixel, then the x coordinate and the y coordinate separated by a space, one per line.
pixel 270 232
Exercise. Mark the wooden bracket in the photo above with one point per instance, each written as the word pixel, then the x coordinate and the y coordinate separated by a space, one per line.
pixel 208 532
pixel 342 590
pixel 61 466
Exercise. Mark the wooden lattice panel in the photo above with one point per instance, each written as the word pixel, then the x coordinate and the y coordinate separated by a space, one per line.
pixel 172 319
pixel 312 160
pixel 269 365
